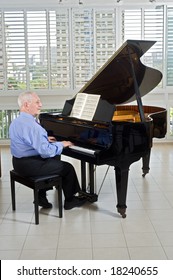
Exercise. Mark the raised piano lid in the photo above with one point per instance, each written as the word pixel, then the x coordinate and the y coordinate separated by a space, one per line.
pixel 114 81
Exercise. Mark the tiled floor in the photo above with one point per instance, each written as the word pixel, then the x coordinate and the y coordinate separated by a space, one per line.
pixel 95 231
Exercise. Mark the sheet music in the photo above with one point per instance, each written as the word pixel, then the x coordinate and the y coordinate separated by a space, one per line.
pixel 85 106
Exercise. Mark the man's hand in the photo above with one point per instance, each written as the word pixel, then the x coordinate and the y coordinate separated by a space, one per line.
pixel 67 143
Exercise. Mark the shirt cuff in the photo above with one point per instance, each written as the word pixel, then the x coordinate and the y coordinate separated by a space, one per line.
pixel 60 147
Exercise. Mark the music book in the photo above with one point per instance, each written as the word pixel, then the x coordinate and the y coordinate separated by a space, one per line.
pixel 85 106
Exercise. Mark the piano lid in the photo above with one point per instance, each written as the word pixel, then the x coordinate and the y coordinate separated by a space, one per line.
pixel 114 80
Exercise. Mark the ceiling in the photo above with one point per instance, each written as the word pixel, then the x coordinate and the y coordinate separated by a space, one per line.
pixel 49 3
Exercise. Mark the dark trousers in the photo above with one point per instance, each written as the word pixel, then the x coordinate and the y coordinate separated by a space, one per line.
pixel 37 166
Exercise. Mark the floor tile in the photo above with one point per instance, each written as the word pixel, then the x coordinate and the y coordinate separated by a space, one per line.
pixel 75 241
pixel 147 253
pixel 38 254
pixel 74 254
pixel 108 240
pixel 41 242
pixel 169 252
pixel 141 239
pixel 113 254
pixel 10 254
pixel 12 242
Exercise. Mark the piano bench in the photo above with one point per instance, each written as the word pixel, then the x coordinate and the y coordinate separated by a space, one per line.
pixel 36 184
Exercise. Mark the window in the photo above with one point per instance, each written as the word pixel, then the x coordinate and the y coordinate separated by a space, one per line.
pixel 146 24
pixel 37 49
pixel 132 24
pixel 14 55
pixel 83 48
pixel 170 46
pixel 105 26
pixel 51 49
pixel 1 57
pixel 6 116
pixel 60 49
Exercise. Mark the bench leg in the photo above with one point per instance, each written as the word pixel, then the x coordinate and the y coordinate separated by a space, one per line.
pixel 60 200
pixel 13 194
pixel 36 206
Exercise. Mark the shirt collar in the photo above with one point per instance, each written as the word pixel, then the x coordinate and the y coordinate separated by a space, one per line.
pixel 24 114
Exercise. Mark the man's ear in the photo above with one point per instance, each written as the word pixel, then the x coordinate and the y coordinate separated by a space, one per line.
pixel 26 104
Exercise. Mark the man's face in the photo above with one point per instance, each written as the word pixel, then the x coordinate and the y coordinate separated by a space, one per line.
pixel 34 106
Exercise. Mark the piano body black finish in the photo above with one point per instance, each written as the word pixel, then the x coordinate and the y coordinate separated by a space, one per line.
pixel 119 134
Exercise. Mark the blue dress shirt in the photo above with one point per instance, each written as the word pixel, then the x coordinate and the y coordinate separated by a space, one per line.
pixel 28 138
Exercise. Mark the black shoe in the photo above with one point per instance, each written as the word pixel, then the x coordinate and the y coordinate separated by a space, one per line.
pixel 43 202
pixel 76 202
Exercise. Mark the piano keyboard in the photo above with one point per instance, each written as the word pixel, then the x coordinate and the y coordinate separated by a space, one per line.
pixel 81 149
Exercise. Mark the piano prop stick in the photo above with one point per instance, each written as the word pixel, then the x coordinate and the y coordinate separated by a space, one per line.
pixel 116 133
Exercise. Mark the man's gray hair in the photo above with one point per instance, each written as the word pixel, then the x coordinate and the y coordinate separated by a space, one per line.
pixel 24 97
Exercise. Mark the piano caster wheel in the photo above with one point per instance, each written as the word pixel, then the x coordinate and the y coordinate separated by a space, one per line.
pixel 124 216
pixel 145 172
pixel 122 212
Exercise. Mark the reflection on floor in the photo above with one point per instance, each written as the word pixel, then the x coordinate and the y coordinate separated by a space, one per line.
pixel 95 231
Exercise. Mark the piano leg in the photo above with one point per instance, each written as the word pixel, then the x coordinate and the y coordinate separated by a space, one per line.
pixel 145 162
pixel 91 196
pixel 83 175
pixel 91 178
pixel 121 176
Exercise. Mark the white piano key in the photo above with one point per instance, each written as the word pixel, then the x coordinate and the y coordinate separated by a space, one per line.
pixel 81 149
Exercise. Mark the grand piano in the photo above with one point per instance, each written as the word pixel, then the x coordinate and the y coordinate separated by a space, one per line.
pixel 119 134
